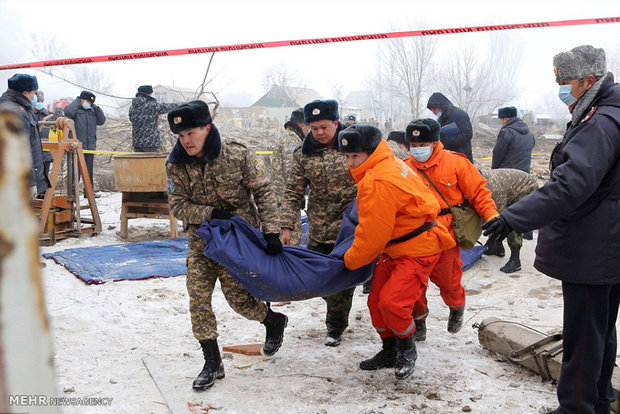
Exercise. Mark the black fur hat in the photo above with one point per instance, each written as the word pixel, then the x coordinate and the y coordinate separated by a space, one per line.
pixel 319 110
pixel 297 116
pixel 398 137
pixel 189 115
pixel 147 89
pixel 88 96
pixel 22 82
pixel 507 112
pixel 359 138
pixel 423 130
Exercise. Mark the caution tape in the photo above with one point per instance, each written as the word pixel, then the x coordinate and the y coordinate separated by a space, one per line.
pixel 133 152
pixel 300 42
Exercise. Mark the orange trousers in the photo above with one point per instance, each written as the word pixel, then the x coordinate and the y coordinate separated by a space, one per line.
pixel 447 276
pixel 397 284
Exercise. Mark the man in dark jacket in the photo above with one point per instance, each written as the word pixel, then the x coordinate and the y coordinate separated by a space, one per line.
pixel 86 116
pixel 454 139
pixel 513 148
pixel 143 114
pixel 22 92
pixel 578 213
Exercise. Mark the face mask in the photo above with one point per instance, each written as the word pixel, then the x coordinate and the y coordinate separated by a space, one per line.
pixel 565 95
pixel 438 115
pixel 39 106
pixel 34 100
pixel 421 153
pixel 86 105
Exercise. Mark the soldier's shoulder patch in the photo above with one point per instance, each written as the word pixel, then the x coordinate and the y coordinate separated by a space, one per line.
pixel 590 114
pixel 256 165
pixel 170 185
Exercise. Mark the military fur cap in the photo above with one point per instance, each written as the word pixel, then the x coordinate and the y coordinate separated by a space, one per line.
pixel 319 110
pixel 147 89
pixel 351 118
pixel 398 137
pixel 359 138
pixel 189 115
pixel 297 116
pixel 507 112
pixel 22 82
pixel 88 96
pixel 579 62
pixel 423 130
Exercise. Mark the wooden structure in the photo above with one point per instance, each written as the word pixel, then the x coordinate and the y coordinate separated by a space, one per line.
pixel 143 181
pixel 60 215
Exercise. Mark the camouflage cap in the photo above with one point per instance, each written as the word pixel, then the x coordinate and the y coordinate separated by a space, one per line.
pixel 579 62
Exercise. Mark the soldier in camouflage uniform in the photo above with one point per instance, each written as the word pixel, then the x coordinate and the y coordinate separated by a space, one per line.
pixel 211 179
pixel 295 130
pixel 508 186
pixel 319 164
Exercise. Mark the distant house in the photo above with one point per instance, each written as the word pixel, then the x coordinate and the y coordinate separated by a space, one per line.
pixel 358 103
pixel 279 102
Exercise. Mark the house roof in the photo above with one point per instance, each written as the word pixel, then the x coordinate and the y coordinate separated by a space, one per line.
pixel 287 97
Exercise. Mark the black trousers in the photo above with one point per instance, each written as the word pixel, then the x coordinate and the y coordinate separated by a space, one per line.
pixel 90 160
pixel 589 330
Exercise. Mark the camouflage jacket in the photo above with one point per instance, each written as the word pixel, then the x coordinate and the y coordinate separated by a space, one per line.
pixel 286 144
pixel 143 114
pixel 229 177
pixel 331 189
pixel 508 185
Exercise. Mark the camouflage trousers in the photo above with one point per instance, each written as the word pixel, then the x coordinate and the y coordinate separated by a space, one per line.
pixel 201 276
pixel 338 304
pixel 515 240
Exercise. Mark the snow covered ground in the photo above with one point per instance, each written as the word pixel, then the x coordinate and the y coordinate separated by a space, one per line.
pixel 102 332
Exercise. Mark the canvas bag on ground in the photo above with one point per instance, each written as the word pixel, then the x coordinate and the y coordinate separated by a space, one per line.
pixel 466 222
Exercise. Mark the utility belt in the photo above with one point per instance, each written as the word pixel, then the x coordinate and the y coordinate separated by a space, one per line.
pixel 424 227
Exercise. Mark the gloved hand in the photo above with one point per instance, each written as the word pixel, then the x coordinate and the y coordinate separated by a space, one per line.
pixel 220 214
pixel 496 228
pixel 274 245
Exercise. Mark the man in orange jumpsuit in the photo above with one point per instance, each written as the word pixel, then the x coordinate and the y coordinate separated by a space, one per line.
pixel 397 220
pixel 457 179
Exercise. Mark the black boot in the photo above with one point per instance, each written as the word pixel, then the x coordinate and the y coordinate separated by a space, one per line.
pixel 514 263
pixel 494 248
pixel 420 331
pixel 386 358
pixel 213 368
pixel 455 320
pixel 274 323
pixel 405 357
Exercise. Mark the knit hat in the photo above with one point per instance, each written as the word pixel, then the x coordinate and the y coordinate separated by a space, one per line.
pixel 189 115
pixel 88 96
pixel 423 130
pixel 22 82
pixel 359 138
pixel 297 116
pixel 318 110
pixel 507 112
pixel 147 89
pixel 398 137
pixel 579 62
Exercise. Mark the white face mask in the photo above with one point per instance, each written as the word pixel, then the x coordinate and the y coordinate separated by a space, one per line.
pixel 86 105
pixel 421 153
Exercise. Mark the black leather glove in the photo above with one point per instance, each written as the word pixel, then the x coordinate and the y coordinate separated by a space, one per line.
pixel 496 228
pixel 274 245
pixel 220 214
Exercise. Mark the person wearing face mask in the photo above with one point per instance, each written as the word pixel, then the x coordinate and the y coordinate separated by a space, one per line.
pixel 87 116
pixel 458 180
pixel 42 114
pixel 22 92
pixel 398 223
pixel 578 214
pixel 455 137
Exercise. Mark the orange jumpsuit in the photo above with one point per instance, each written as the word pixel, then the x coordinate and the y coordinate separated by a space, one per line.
pixel 457 179
pixel 392 201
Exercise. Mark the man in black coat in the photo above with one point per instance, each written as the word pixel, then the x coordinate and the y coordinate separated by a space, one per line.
pixel 143 114
pixel 578 213
pixel 513 148
pixel 458 137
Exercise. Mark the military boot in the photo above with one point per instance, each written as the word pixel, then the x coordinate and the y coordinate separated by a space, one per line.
pixel 420 331
pixel 213 368
pixel 386 358
pixel 455 320
pixel 274 323
pixel 494 248
pixel 406 355
pixel 514 263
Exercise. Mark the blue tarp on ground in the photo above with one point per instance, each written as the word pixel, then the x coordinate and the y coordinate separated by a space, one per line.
pixel 142 260
pixel 296 274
